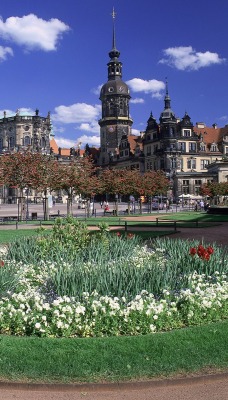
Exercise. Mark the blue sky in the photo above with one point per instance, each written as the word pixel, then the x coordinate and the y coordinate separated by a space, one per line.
pixel 54 54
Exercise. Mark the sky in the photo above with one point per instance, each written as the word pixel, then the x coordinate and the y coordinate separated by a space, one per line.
pixel 54 55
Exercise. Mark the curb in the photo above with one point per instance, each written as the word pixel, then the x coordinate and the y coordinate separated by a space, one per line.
pixel 118 386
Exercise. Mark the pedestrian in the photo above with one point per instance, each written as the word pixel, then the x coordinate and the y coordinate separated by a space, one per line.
pixel 196 206
pixel 201 205
pixel 101 203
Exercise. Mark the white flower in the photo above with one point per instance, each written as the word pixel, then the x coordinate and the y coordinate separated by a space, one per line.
pixel 152 328
pixel 37 325
pixel 59 324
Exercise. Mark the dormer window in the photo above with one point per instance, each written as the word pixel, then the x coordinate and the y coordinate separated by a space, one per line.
pixel 202 147
pixel 186 132
pixel 214 147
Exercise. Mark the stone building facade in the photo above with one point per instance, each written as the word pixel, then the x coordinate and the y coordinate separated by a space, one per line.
pixel 20 132
pixel 184 151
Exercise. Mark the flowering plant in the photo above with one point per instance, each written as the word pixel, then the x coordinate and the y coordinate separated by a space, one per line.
pixel 203 252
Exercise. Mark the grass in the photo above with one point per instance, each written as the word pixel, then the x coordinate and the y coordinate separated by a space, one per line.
pixel 7 236
pixel 183 351
pixel 193 216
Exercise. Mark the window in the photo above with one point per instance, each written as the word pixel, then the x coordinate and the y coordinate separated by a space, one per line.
pixel 202 147
pixel 186 132
pixel 185 187
pixel 192 146
pixel 148 152
pixel 214 147
pixel 203 164
pixel 191 163
pixel 11 141
pixel 26 141
pixel 182 146
pixel 43 142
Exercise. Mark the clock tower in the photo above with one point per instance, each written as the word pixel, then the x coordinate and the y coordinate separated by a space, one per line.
pixel 115 121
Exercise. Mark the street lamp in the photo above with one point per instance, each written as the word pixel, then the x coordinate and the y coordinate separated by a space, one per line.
pixel 27 207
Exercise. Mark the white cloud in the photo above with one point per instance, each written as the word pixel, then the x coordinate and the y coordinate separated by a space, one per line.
pixel 135 132
pixel 76 113
pixel 186 58
pixel 137 100
pixel 97 90
pixel 4 52
pixel 22 111
pixel 64 143
pixel 84 139
pixel 91 140
pixel 33 32
pixel 92 127
pixel 152 86
pixel 223 118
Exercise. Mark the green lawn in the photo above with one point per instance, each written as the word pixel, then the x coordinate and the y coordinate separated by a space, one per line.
pixel 184 351
pixel 192 216
pixel 7 236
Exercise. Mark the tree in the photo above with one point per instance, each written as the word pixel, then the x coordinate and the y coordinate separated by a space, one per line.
pixel 77 178
pixel 27 171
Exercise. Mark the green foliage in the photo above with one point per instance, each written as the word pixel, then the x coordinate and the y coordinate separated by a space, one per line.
pixel 63 241
pixel 8 277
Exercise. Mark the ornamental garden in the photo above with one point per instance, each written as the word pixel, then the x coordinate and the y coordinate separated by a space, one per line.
pixel 70 282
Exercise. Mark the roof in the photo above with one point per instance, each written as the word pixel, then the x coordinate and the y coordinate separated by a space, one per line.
pixel 134 141
pixel 210 134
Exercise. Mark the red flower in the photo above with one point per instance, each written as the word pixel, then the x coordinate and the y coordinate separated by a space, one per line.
pixel 206 256
pixel 118 234
pixel 130 235
pixel 210 250
pixel 2 263
pixel 192 251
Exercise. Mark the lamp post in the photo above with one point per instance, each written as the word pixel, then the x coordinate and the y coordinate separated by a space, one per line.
pixel 27 207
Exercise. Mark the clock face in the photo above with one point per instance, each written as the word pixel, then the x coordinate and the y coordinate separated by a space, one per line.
pixel 111 129
pixel 111 89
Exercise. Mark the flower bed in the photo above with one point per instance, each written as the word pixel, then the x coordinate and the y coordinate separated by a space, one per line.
pixel 159 287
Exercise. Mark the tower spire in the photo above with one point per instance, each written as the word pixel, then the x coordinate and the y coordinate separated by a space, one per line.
pixel 114 53
pixel 167 98
pixel 113 29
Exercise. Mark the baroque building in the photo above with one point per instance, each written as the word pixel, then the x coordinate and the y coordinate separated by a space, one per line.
pixel 116 140
pixel 189 155
pixel 20 132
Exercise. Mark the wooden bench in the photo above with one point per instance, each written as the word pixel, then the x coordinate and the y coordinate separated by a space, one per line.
pixel 108 212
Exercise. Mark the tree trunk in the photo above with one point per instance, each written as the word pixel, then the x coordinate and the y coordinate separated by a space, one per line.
pixel 69 205
pixel 45 206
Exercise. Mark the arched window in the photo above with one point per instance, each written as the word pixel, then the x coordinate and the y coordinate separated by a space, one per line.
pixel 27 141
pixel 43 142
pixel 11 141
